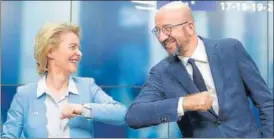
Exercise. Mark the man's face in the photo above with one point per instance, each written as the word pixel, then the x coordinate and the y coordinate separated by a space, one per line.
pixel 173 38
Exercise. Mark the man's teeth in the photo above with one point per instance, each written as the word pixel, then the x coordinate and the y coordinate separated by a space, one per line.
pixel 169 42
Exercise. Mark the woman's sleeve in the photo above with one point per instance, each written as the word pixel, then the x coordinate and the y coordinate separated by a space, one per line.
pixel 104 108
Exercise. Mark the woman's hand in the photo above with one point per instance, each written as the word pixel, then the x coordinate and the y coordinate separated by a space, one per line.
pixel 71 110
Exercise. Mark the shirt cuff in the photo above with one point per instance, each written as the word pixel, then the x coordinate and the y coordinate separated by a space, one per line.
pixel 87 111
pixel 180 109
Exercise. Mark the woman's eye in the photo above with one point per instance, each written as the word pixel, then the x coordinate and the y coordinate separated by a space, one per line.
pixel 72 47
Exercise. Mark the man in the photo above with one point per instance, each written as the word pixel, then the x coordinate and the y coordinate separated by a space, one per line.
pixel 203 85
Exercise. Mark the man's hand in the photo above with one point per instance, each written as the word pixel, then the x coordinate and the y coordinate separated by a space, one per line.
pixel 198 102
pixel 71 110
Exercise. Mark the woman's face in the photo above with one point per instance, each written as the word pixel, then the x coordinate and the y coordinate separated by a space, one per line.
pixel 66 56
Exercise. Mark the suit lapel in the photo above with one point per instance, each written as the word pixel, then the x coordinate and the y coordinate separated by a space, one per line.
pixel 216 69
pixel 38 114
pixel 178 71
pixel 76 98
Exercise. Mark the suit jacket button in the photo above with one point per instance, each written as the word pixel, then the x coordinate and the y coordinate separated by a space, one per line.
pixel 218 122
pixel 257 105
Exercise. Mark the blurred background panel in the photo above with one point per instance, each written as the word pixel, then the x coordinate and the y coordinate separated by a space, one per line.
pixel 119 48
pixel 10 41
pixel 115 42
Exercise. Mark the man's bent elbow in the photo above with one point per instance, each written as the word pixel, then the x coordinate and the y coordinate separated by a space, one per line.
pixel 133 117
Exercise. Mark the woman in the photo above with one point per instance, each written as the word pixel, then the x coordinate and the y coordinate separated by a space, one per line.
pixel 59 105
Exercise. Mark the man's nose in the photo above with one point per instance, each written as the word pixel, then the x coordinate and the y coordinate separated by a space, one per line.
pixel 162 36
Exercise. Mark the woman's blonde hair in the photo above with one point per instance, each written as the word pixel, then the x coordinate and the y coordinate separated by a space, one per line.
pixel 47 38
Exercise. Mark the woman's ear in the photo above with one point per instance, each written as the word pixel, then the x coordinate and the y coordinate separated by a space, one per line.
pixel 51 54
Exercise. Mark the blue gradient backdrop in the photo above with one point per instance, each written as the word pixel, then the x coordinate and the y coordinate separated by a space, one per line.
pixel 118 47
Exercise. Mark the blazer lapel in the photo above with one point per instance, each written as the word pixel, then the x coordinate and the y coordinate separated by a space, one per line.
pixel 74 98
pixel 179 72
pixel 38 113
pixel 216 70
pixel 77 98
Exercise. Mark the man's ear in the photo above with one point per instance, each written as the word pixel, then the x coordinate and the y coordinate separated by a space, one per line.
pixel 191 28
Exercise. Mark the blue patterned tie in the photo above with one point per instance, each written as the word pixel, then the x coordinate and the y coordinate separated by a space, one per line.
pixel 197 76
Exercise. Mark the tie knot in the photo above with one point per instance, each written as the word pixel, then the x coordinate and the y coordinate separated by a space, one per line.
pixel 191 61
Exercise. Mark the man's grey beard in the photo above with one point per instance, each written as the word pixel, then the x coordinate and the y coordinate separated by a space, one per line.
pixel 177 51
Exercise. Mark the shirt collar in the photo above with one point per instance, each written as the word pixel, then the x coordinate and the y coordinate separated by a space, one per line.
pixel 198 55
pixel 42 87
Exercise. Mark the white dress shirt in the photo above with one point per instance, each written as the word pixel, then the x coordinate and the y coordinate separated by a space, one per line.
pixel 58 128
pixel 201 60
